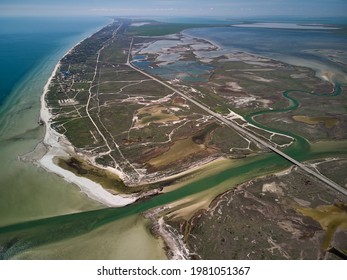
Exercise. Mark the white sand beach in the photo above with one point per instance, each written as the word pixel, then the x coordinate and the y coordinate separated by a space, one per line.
pixel 59 146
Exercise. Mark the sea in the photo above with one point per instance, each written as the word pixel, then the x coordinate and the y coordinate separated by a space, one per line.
pixel 29 50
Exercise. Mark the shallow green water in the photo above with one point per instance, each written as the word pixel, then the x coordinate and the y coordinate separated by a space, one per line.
pixel 31 234
pixel 128 238
pixel 27 191
pixel 36 233
pixel 30 49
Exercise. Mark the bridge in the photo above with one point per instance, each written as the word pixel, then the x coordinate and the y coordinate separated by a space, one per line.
pixel 331 184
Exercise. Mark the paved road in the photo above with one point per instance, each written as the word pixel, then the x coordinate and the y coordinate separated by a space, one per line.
pixel 242 131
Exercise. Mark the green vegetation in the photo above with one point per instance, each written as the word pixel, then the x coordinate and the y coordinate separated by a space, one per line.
pixel 264 212
pixel 78 132
pixel 328 122
pixel 155 114
pixel 228 139
pixel 123 104
pixel 160 29
pixel 117 51
pixel 140 120
pixel 89 47
pixel 331 218
pixel 203 136
pixel 179 150
pixel 107 179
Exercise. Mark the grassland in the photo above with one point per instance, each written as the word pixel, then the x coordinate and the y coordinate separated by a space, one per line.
pixel 274 217
pixel 328 122
pixel 123 120
pixel 246 83
pixel 161 29
pixel 126 121
pixel 261 219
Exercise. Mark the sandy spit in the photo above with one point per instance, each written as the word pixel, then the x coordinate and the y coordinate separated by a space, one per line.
pixel 58 146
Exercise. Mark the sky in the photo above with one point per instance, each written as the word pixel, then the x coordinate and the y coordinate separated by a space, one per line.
pixel 186 8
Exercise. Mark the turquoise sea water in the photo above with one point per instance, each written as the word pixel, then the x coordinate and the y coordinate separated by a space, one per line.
pixel 29 50
pixel 26 42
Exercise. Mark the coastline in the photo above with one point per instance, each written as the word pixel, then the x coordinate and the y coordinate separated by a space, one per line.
pixel 58 146
pixel 175 247
pixel 321 70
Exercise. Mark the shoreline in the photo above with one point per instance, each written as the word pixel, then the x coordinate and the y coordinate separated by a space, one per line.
pixel 57 146
pixel 175 248
pixel 321 70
